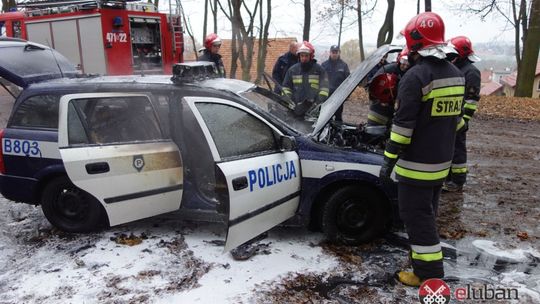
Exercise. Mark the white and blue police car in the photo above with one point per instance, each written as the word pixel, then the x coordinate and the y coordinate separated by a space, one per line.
pixel 99 151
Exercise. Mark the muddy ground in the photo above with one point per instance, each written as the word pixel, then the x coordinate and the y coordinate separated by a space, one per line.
pixel 498 209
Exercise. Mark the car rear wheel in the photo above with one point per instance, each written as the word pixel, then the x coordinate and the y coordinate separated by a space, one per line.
pixel 69 208
pixel 353 215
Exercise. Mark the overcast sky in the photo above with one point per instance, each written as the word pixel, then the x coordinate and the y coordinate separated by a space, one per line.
pixel 288 16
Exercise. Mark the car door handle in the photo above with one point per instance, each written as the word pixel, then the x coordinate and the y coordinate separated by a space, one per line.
pixel 97 168
pixel 239 183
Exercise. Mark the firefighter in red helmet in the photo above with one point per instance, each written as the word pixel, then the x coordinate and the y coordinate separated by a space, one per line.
pixel 464 61
pixel 383 88
pixel 212 44
pixel 382 113
pixel 306 83
pixel 421 141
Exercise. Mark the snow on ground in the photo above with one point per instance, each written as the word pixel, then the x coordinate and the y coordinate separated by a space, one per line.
pixel 175 261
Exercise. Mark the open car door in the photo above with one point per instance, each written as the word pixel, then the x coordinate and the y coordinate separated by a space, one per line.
pixel 262 177
pixel 113 148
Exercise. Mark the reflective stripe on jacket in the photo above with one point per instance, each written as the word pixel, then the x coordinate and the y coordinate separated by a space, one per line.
pixel 306 82
pixel 472 87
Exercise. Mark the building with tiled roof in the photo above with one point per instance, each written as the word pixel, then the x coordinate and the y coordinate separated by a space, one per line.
pixel 275 48
pixel 509 83
pixel 492 88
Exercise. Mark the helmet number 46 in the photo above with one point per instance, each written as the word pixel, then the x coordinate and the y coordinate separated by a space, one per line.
pixel 427 23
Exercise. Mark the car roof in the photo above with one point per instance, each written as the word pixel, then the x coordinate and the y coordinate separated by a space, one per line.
pixel 23 62
pixel 122 82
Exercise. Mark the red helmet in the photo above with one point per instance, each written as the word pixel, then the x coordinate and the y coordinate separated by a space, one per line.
pixel 424 30
pixel 211 39
pixel 463 47
pixel 306 48
pixel 384 88
pixel 404 54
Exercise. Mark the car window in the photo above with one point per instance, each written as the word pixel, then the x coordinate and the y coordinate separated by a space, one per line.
pixel 37 112
pixel 112 120
pixel 236 132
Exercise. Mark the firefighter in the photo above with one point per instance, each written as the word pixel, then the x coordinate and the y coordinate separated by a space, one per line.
pixel 421 141
pixel 212 44
pixel 305 82
pixel 381 113
pixel 464 61
pixel 337 71
pixel 382 94
pixel 283 64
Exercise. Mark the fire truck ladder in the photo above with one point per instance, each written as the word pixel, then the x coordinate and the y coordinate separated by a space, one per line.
pixel 175 21
pixel 47 7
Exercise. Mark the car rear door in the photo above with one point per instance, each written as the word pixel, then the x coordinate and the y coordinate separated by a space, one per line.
pixel 113 148
pixel 263 181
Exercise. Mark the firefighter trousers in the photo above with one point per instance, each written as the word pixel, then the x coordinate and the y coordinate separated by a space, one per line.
pixel 418 207
pixel 458 172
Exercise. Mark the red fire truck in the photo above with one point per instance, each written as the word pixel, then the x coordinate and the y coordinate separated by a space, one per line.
pixel 102 36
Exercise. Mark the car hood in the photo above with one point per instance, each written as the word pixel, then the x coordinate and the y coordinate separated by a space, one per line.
pixel 23 62
pixel 332 104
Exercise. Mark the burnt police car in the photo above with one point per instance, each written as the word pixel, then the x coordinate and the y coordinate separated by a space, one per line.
pixel 96 151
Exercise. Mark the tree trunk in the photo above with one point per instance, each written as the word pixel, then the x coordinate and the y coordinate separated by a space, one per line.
pixel 234 53
pixel 360 36
pixel 531 47
pixel 205 19
pixel 517 41
pixel 386 32
pixel 341 21
pixel 307 19
pixel 263 39
pixel 417 7
pixel 187 26
pixel 214 13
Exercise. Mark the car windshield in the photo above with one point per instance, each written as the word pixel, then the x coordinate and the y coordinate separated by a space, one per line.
pixel 277 107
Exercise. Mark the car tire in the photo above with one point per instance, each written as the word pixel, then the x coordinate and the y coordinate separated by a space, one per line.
pixel 354 215
pixel 69 208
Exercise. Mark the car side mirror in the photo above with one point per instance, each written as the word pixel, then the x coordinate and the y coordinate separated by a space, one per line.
pixel 287 143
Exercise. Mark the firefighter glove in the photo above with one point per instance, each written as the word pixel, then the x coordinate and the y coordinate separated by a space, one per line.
pixel 386 169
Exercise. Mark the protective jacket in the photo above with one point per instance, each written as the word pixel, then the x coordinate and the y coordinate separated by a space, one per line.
pixel 306 82
pixel 216 59
pixel 472 87
pixel 380 114
pixel 430 98
pixel 337 71
pixel 282 65
pixel 472 96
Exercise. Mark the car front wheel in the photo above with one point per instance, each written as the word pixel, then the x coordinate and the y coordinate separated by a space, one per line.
pixel 69 208
pixel 354 214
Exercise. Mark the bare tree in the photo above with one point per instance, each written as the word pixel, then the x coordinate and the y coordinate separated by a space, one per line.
pixel 363 9
pixel 243 35
pixel 531 47
pixel 187 26
pixel 307 19
pixel 516 13
pixel 386 32
pixel 263 38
